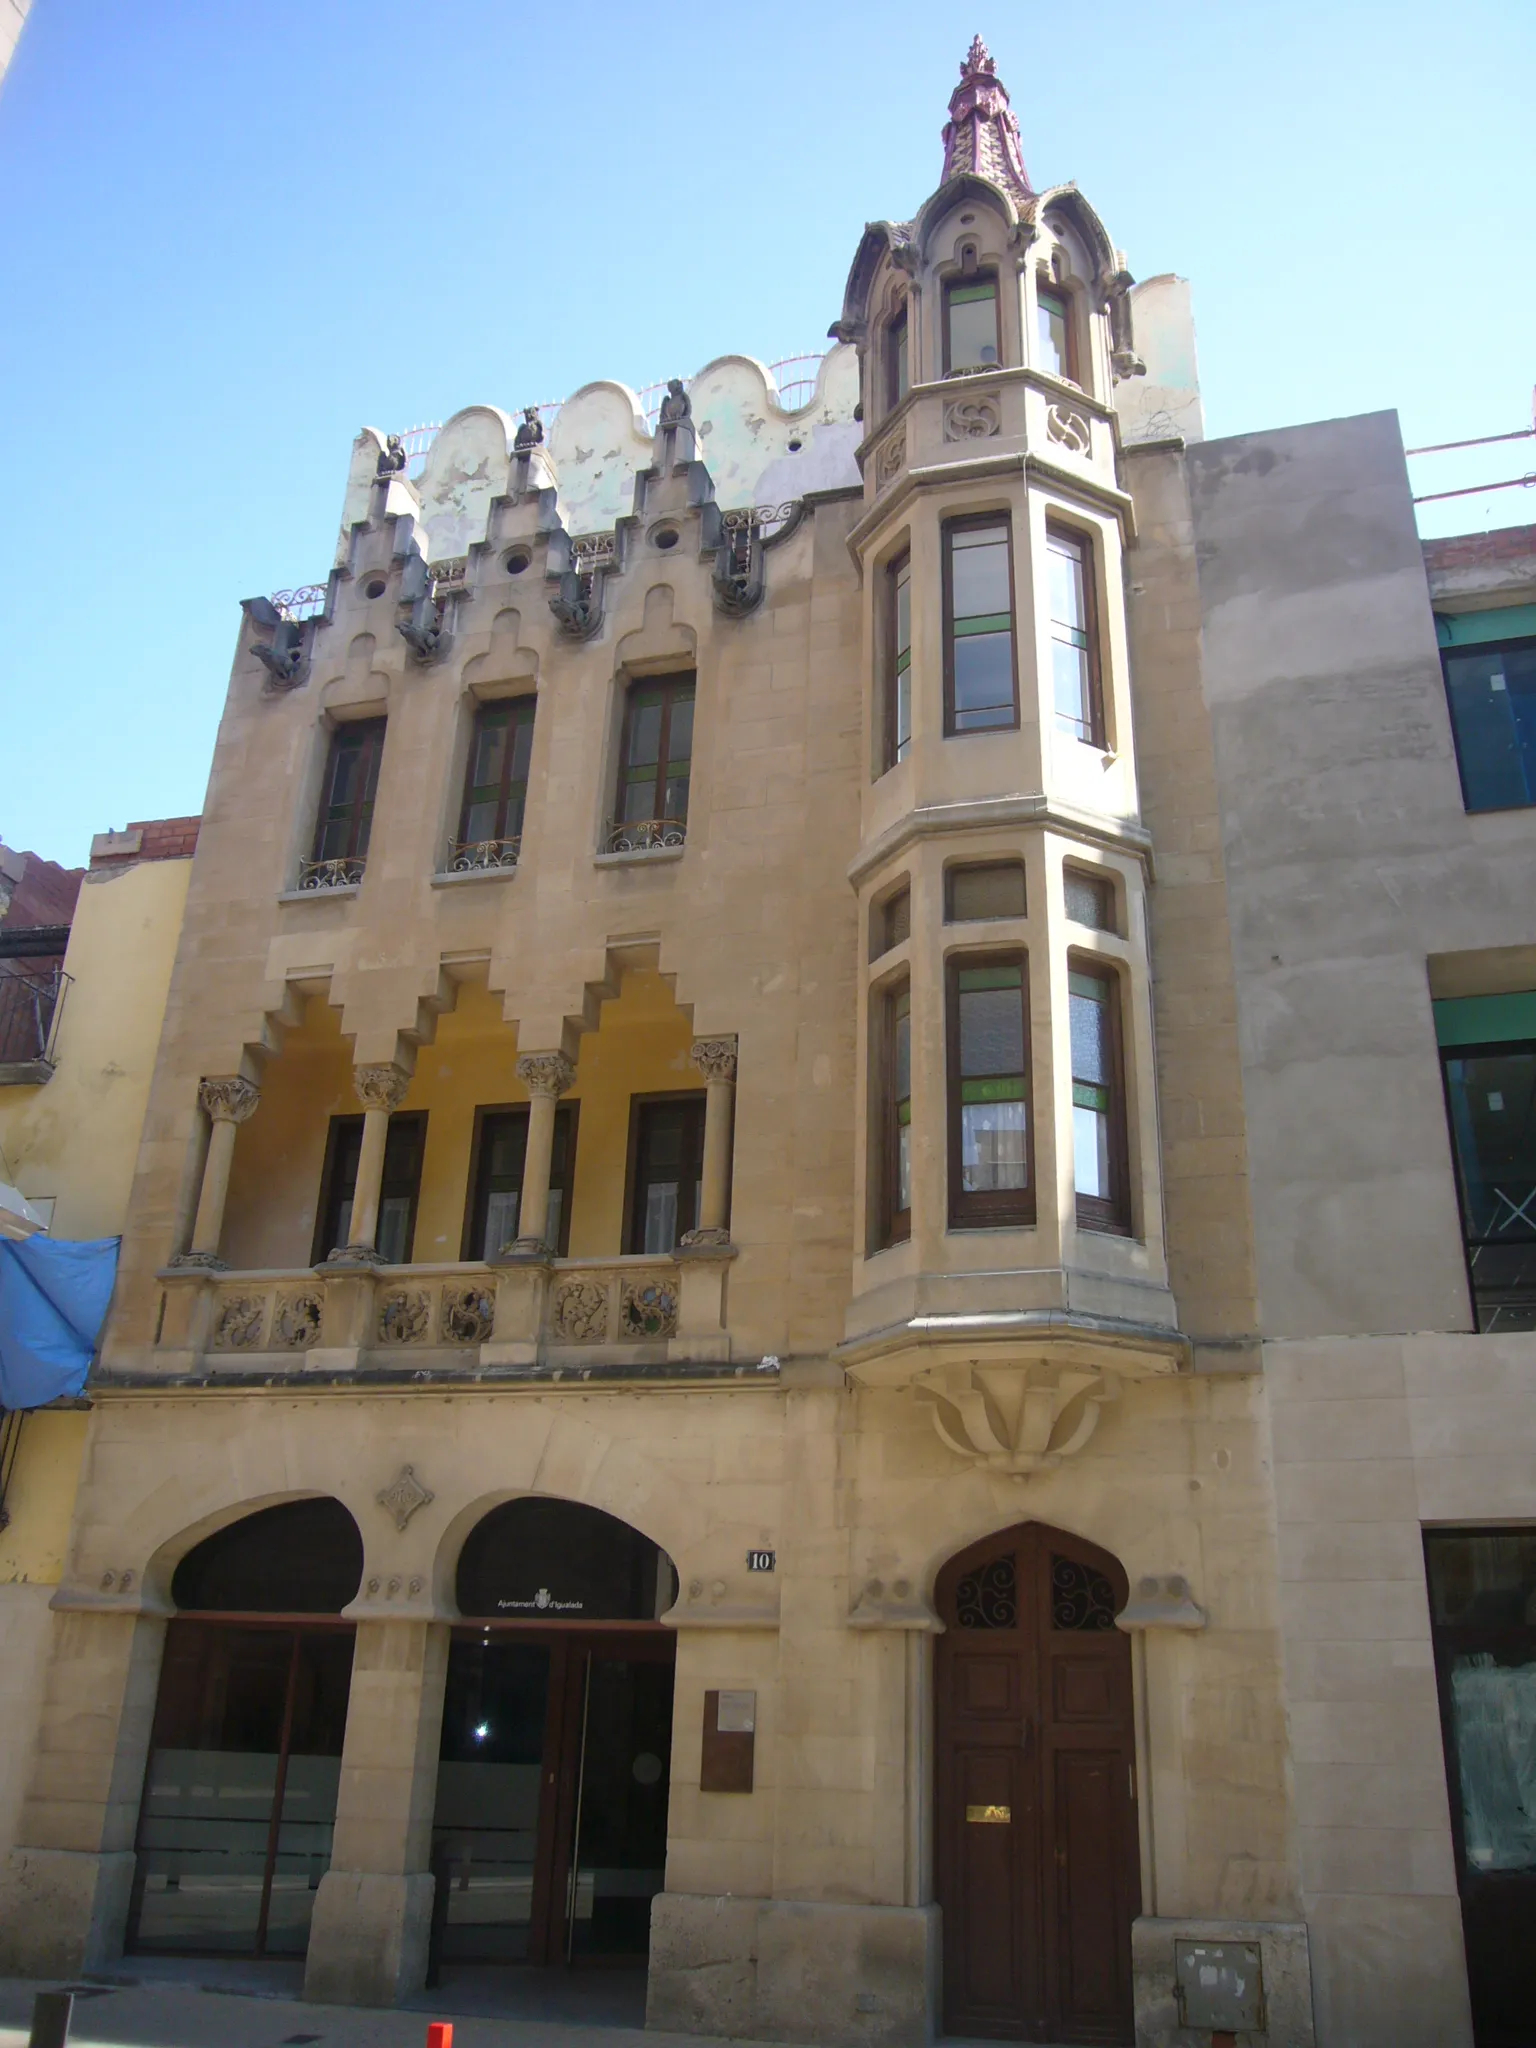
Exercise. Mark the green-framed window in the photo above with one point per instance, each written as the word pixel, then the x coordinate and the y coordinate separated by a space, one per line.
pixel 980 674
pixel 991 1141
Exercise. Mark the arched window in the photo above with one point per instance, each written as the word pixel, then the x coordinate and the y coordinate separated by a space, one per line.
pixel 303 1557
pixel 538 1559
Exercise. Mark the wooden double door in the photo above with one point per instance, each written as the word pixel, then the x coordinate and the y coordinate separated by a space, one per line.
pixel 1035 1795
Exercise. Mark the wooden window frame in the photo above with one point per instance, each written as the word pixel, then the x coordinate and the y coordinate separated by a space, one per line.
pixel 634 1221
pixel 898 351
pixel 993 1208
pixel 973 522
pixel 670 684
pixel 1058 532
pixel 320 1250
pixel 519 711
pixel 360 826
pixel 880 940
pixel 956 868
pixel 966 280
pixel 1046 287
pixel 473 1233
pixel 891 752
pixel 893 1226
pixel 1114 1217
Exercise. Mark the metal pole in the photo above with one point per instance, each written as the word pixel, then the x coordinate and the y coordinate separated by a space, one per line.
pixel 50 2019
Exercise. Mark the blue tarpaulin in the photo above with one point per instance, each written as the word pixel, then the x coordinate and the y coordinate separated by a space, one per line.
pixel 53 1302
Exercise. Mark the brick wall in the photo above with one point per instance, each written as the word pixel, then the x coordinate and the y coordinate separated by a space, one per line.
pixel 1474 550
pixel 146 839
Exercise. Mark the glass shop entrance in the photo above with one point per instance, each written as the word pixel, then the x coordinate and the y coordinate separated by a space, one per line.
pixel 550 1831
pixel 239 1798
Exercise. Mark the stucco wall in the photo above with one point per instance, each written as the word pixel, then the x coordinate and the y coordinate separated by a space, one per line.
pixel 1350 861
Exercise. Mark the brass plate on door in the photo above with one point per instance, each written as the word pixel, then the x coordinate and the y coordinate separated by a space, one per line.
pixel 990 1816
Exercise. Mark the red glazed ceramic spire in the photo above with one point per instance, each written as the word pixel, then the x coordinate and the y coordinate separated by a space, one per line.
pixel 981 134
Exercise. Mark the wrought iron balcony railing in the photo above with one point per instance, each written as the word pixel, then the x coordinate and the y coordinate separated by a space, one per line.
pixel 468 856
pixel 645 835
pixel 31 1002
pixel 332 874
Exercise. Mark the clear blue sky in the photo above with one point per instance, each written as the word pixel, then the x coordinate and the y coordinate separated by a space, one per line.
pixel 234 233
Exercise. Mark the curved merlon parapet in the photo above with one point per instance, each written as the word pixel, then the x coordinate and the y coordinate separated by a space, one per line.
pixel 755 449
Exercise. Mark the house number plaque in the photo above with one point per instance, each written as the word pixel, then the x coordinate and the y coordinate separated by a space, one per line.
pixel 762 1560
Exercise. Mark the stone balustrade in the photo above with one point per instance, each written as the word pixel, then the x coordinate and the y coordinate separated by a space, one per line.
pixel 640 1312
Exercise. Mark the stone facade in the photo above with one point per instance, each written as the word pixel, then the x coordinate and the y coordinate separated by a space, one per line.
pixel 1207 1364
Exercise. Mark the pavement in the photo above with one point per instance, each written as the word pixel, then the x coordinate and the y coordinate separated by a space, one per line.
pixel 152 2004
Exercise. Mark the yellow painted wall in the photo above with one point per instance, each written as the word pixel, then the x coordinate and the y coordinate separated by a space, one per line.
pixel 76 1140
pixel 41 1497
pixel 640 1047
pixel 77 1137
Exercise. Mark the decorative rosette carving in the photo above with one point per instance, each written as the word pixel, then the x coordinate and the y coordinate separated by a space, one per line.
pixel 239 1324
pixel 228 1098
pixel 467 1314
pixel 1069 429
pixel 380 1087
pixel 581 1312
pixel 401 1498
pixel 891 459
pixel 972 419
pixel 297 1324
pixel 648 1309
pixel 405 1317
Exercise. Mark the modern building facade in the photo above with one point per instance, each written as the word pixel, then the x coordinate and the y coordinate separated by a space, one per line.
pixel 795 1296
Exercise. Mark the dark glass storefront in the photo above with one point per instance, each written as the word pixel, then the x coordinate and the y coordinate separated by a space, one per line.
pixel 239 1798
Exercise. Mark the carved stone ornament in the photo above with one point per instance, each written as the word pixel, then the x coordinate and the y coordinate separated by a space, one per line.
pixel 1165 1602
pixel 240 1322
pixel 467 1314
pixel 715 1058
pixel 404 1495
pixel 405 1317
pixel 297 1323
pixel 392 458
pixel 677 406
pixel 228 1099
pixel 581 1313
pixel 648 1309
pixel 380 1087
pixel 1016 1418
pixel 1069 429
pixel 711 1237
pixel 891 460
pixel 530 434
pixel 545 1073
pixel 972 419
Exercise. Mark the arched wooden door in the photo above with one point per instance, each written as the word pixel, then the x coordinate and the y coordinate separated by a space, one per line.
pixel 1035 1796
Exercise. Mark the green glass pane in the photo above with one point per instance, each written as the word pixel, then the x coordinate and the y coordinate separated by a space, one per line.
pixel 1086 1096
pixel 1002 1088
pixel 1095 985
pixel 988 622
pixel 991 977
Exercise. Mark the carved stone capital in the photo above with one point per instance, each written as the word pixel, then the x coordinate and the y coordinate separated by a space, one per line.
pixel 1019 1417
pixel 545 1073
pixel 228 1099
pixel 380 1087
pixel 715 1058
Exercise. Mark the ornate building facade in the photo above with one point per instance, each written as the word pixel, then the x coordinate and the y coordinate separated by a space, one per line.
pixel 692 1340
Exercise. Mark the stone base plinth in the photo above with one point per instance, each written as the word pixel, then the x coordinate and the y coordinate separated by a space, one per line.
pixel 63 1911
pixel 1284 1959
pixel 368 1938
pixel 779 1970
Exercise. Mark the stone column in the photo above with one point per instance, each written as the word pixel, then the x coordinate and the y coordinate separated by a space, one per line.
pixel 715 1059
pixel 229 1100
pixel 380 1090
pixel 64 1889
pixel 546 1076
pixel 373 1910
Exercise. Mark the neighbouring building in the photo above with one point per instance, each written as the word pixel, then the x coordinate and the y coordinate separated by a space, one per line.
pixel 830 1283
pixel 85 964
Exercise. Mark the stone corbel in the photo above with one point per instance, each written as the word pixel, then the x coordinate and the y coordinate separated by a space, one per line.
pixel 1020 1417
pixel 1165 1602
